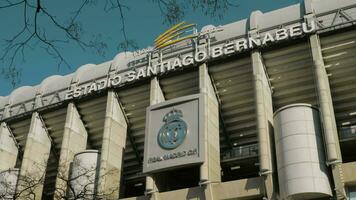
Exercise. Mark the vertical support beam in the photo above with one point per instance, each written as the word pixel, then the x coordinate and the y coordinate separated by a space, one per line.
pixel 325 102
pixel 34 163
pixel 156 96
pixel 8 148
pixel 210 171
pixel 112 149
pixel 331 138
pixel 74 141
pixel 264 111
pixel 264 120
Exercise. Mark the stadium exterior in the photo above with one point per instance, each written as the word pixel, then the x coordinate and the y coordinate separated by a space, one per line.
pixel 262 108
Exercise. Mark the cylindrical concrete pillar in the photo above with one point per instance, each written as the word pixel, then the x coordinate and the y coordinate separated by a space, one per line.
pixel 84 175
pixel 302 170
pixel 8 181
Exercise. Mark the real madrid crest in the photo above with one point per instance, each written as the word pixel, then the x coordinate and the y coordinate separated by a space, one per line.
pixel 173 132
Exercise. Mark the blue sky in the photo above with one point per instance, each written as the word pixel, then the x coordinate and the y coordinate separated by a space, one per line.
pixel 143 23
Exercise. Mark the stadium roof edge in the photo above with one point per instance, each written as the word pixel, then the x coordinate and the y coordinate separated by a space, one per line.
pixel 257 20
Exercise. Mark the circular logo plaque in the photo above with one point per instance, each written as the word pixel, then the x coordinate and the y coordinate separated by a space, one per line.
pixel 173 132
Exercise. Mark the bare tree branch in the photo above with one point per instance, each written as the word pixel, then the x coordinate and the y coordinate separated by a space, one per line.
pixel 9 5
pixel 174 11
pixel 34 33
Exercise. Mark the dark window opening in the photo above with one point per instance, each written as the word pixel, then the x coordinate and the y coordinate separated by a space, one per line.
pixel 133 187
pixel 50 178
pixel 240 170
pixel 347 135
pixel 176 179
pixel 239 163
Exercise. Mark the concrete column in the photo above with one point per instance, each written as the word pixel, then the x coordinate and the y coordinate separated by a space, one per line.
pixel 264 110
pixel 112 149
pixel 156 96
pixel 327 116
pixel 325 102
pixel 74 141
pixel 34 162
pixel 8 148
pixel 264 120
pixel 210 171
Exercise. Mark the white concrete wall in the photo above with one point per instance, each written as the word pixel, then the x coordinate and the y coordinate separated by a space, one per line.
pixel 83 175
pixel 8 148
pixel 156 96
pixel 302 171
pixel 210 170
pixel 34 161
pixel 327 115
pixel 264 119
pixel 112 150
pixel 74 141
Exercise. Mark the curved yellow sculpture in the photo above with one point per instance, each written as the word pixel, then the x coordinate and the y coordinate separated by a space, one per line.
pixel 174 35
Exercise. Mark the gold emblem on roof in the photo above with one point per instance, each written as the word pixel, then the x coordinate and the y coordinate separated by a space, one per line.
pixel 175 34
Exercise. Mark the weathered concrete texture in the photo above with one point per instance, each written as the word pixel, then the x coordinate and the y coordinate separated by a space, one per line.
pixel 210 169
pixel 327 116
pixel 8 181
pixel 8 148
pixel 113 146
pixel 239 189
pixel 264 119
pixel 137 198
pixel 156 96
pixel 74 141
pixel 33 168
pixel 302 172
pixel 349 174
pixel 325 102
pixel 83 176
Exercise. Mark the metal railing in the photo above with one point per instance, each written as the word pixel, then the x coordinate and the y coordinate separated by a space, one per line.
pixel 241 152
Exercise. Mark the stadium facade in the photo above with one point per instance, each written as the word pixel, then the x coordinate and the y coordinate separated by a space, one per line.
pixel 262 108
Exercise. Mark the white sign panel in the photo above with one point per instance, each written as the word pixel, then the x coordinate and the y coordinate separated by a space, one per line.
pixel 173 134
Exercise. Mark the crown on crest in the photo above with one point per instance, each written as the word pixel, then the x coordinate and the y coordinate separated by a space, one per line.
pixel 173 115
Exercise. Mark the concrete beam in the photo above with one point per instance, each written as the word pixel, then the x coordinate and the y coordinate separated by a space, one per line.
pixel 264 120
pixel 327 116
pixel 325 102
pixel 249 188
pixel 239 189
pixel 34 162
pixel 348 170
pixel 74 141
pixel 210 171
pixel 264 113
pixel 8 148
pixel 156 96
pixel 112 149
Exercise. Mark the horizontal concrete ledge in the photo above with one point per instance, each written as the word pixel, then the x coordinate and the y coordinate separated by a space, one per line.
pixel 242 189
pixel 137 198
pixel 348 170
